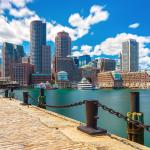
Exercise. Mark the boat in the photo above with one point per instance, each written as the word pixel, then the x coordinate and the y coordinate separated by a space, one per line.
pixel 46 86
pixel 84 84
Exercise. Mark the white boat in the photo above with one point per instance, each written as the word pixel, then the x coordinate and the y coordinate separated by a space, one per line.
pixel 84 84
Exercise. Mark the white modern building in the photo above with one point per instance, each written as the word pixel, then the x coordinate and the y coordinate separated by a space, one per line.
pixel 130 56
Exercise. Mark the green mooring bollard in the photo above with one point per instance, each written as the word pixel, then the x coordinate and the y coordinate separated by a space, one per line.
pixel 135 134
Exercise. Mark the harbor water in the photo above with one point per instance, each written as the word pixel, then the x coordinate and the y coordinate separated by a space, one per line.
pixel 118 99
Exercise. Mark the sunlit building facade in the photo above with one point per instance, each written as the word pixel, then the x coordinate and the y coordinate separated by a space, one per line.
pixel 130 56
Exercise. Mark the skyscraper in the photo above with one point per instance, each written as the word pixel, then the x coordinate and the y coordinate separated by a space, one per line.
pixel 63 44
pixel 62 59
pixel 11 54
pixel 84 60
pixel 37 39
pixel 130 56
pixel 46 59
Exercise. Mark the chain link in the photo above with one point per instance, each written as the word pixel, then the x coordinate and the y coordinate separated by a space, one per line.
pixel 35 100
pixel 3 91
pixel 66 106
pixel 119 115
pixel 104 107
pixel 62 106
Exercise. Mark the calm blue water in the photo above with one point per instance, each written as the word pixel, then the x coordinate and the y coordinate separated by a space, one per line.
pixel 117 99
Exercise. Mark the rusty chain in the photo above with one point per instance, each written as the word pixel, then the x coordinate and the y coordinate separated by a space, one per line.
pixel 119 115
pixel 62 106
pixel 104 107
pixel 67 106
pixel 4 91
pixel 33 98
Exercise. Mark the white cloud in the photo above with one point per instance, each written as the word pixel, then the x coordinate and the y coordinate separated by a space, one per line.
pixel 113 46
pixel 88 50
pixel 82 24
pixel 7 4
pixel 134 26
pixel 20 3
pixel 22 12
pixel 17 30
pixel 75 48
pixel 97 14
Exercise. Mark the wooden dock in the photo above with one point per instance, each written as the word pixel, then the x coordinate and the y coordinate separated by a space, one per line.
pixel 32 128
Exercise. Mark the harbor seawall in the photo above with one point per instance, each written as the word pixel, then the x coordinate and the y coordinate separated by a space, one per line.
pixel 30 127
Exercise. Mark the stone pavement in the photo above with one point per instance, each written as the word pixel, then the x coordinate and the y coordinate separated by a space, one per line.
pixel 32 128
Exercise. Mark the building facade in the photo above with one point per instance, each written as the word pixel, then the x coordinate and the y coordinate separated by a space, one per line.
pixel 114 79
pixel 22 73
pixel 11 54
pixel 63 44
pixel 84 60
pixel 106 64
pixel 46 59
pixel 37 40
pixel 62 60
pixel 40 78
pixel 130 56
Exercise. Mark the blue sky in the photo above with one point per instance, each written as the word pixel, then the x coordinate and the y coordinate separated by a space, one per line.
pixel 97 27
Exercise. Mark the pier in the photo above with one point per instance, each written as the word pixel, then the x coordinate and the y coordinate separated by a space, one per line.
pixel 33 128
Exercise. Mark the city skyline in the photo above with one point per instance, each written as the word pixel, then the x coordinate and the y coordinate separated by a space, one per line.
pixel 96 28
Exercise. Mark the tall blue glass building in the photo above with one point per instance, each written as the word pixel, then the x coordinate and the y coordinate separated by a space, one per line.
pixel 37 39
pixel 84 60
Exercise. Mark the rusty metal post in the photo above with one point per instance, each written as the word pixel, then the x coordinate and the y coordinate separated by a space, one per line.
pixel 91 119
pixel 134 102
pixel 135 134
pixel 25 98
pixel 11 94
pixel 41 99
pixel 41 92
pixel 6 94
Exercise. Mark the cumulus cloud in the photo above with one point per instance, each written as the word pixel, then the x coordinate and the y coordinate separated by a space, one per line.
pixel 8 4
pixel 75 47
pixel 134 26
pixel 113 46
pixel 97 14
pixel 88 50
pixel 17 29
pixel 22 12
pixel 83 24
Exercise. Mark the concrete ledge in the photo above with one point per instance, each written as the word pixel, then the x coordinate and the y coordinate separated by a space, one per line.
pixel 30 127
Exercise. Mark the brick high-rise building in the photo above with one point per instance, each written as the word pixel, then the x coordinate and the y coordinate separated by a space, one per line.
pixel 11 54
pixel 63 44
pixel 62 59
pixel 22 73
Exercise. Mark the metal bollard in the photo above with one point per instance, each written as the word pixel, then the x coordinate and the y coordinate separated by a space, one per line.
pixel 41 92
pixel 41 99
pixel 6 94
pixel 135 134
pixel 91 119
pixel 25 98
pixel 134 102
pixel 11 94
